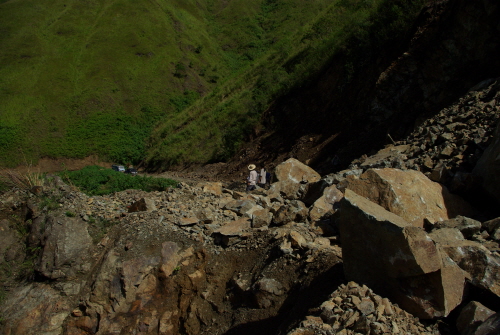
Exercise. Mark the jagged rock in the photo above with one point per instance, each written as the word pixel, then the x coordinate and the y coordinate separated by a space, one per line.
pixel 230 233
pixel 314 191
pixel 488 167
pixel 212 188
pixel 188 221
pixel 264 291
pixel 387 157
pixel 288 189
pixel 136 278
pixel 325 204
pixel 467 226
pixel 295 171
pixel 489 327
pixel 341 314
pixel 65 244
pixel 169 257
pixel 143 205
pixel 295 210
pixel 240 207
pixel 491 225
pixel 11 245
pixel 206 215
pixel 40 310
pixel 482 269
pixel 471 316
pixel 261 217
pixel 409 194
pixel 382 250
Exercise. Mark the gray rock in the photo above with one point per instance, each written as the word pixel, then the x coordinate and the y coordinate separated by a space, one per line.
pixel 65 244
pixel 467 226
pixel 471 316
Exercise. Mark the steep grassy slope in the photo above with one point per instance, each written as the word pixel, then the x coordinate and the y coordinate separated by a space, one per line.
pixel 297 50
pixel 116 77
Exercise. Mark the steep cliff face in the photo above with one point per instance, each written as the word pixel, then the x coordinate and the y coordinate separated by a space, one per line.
pixel 454 45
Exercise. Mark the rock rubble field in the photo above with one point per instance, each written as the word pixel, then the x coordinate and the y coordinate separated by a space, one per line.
pixel 405 241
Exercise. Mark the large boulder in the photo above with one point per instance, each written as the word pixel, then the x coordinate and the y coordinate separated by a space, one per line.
pixel 325 204
pixel 488 167
pixel 65 245
pixel 481 267
pixel 471 316
pixel 409 194
pixel 397 259
pixel 294 211
pixel 292 169
pixel 231 232
pixel 292 179
pixel 34 309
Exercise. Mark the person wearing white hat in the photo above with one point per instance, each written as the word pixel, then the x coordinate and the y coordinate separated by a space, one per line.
pixel 252 178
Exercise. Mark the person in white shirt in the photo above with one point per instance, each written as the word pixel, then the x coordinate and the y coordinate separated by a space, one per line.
pixel 262 178
pixel 252 178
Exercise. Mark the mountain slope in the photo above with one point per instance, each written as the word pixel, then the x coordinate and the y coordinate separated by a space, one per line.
pixel 114 78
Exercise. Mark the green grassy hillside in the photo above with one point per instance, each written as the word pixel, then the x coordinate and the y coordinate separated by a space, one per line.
pixel 166 81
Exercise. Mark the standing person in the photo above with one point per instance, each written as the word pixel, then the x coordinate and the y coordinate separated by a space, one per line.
pixel 262 177
pixel 252 178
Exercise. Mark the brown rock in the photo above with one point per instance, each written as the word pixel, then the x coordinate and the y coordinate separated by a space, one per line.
pixel 234 228
pixel 467 226
pixel 297 172
pixel 471 316
pixel 169 257
pixel 288 189
pixel 188 221
pixel 142 205
pixel 382 250
pixel 294 211
pixel 482 269
pixel 409 194
pixel 261 217
pixel 66 240
pixel 212 188
pixel 324 205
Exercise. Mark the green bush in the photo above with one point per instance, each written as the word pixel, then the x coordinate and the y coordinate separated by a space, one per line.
pixel 96 180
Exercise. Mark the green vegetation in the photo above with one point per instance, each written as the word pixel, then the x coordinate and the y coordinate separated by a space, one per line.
pixel 95 180
pixel 49 202
pixel 99 228
pixel 170 81
pixel 70 214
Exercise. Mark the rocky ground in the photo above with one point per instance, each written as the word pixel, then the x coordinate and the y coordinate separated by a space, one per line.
pixel 379 248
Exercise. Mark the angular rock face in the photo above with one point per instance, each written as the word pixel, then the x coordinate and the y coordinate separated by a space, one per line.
pixel 471 316
pixel 409 194
pixel 42 310
pixel 142 205
pixel 65 242
pixel 296 171
pixel 294 211
pixel 382 250
pixel 467 226
pixel 325 204
pixel 482 269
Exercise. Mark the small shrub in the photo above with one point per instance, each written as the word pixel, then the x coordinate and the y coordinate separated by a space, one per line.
pixel 49 203
pixel 70 214
pixel 22 180
pixel 95 180
pixel 99 228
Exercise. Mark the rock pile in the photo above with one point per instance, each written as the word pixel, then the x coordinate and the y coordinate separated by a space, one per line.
pixel 355 309
pixel 447 146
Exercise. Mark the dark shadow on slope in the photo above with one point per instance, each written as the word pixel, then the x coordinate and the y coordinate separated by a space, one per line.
pixel 296 307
